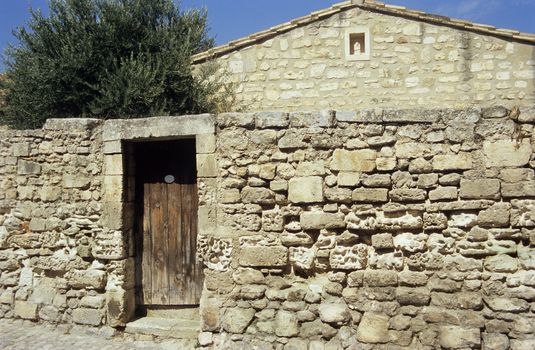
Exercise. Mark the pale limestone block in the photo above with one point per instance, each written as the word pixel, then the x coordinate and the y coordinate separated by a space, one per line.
pixel 507 153
pixel 25 167
pixel 205 143
pixel 373 328
pixel 90 317
pixel 113 164
pixel 268 256
pixel 372 195
pixel 461 161
pixel 318 220
pixel 310 168
pixel 50 193
pixel 112 147
pixel 348 179
pixel 455 337
pixel 353 161
pixel 443 193
pixel 21 149
pixel 480 189
pixel 26 310
pixel 305 189
pixel 386 164
pixel 206 165
pixel 112 187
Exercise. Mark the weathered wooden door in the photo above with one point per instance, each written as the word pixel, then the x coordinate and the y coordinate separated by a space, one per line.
pixel 168 271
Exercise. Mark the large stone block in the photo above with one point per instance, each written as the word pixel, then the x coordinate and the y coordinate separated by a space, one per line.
pixel 89 279
pixel 319 220
pixel 370 195
pixel 501 263
pixel 307 189
pixel 520 189
pixel 120 306
pixel 270 256
pixel 26 310
pixel 495 216
pixel 265 120
pixel 480 189
pixel 461 161
pixel 379 278
pixel 356 161
pixel 21 149
pixel 322 119
pixel 334 312
pixel 407 195
pixel 258 195
pixel 501 304
pixel 25 167
pixel 456 337
pixel 236 320
pixel 360 116
pixel 348 179
pixel 210 312
pixel 410 116
pixel 158 127
pixel 113 164
pixel 50 193
pixel 77 181
pixel 206 165
pixel 90 317
pixel 286 324
pixel 443 193
pixel 236 119
pixel 373 328
pixel 507 153
pixel 205 143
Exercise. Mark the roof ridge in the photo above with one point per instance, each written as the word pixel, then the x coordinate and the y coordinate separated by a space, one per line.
pixel 371 5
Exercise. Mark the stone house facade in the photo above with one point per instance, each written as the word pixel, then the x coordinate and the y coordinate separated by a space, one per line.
pixel 377 218
pixel 413 60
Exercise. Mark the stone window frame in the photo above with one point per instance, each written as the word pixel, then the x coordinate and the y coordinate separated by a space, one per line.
pixel 118 185
pixel 364 56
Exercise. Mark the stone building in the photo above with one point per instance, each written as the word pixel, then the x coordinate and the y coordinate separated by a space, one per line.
pixel 388 204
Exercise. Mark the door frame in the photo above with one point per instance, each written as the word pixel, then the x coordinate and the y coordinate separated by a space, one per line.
pixel 118 195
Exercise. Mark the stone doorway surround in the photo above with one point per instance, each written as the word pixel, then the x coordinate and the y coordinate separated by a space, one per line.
pixel 118 190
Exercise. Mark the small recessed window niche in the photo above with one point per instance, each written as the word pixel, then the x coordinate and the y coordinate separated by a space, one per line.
pixel 357 44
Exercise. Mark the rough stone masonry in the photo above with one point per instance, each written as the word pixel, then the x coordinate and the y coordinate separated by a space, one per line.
pixel 367 229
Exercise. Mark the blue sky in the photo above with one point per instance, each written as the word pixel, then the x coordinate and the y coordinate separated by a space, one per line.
pixel 232 19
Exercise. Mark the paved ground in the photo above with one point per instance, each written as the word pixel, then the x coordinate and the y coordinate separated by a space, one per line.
pixel 19 335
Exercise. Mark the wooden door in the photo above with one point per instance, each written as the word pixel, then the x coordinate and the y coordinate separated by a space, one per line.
pixel 168 271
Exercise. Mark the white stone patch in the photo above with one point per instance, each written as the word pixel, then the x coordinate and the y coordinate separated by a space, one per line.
pixel 411 242
pixel 303 258
pixel 463 220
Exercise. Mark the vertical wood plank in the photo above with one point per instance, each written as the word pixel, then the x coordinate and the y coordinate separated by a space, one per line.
pixel 197 265
pixel 186 232
pixel 175 267
pixel 160 244
pixel 146 254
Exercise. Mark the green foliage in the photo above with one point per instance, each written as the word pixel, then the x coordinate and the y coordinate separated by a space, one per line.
pixel 110 59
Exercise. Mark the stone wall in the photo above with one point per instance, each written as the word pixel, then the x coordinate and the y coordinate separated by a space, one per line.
pixel 55 264
pixel 413 63
pixel 367 229
pixel 374 229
